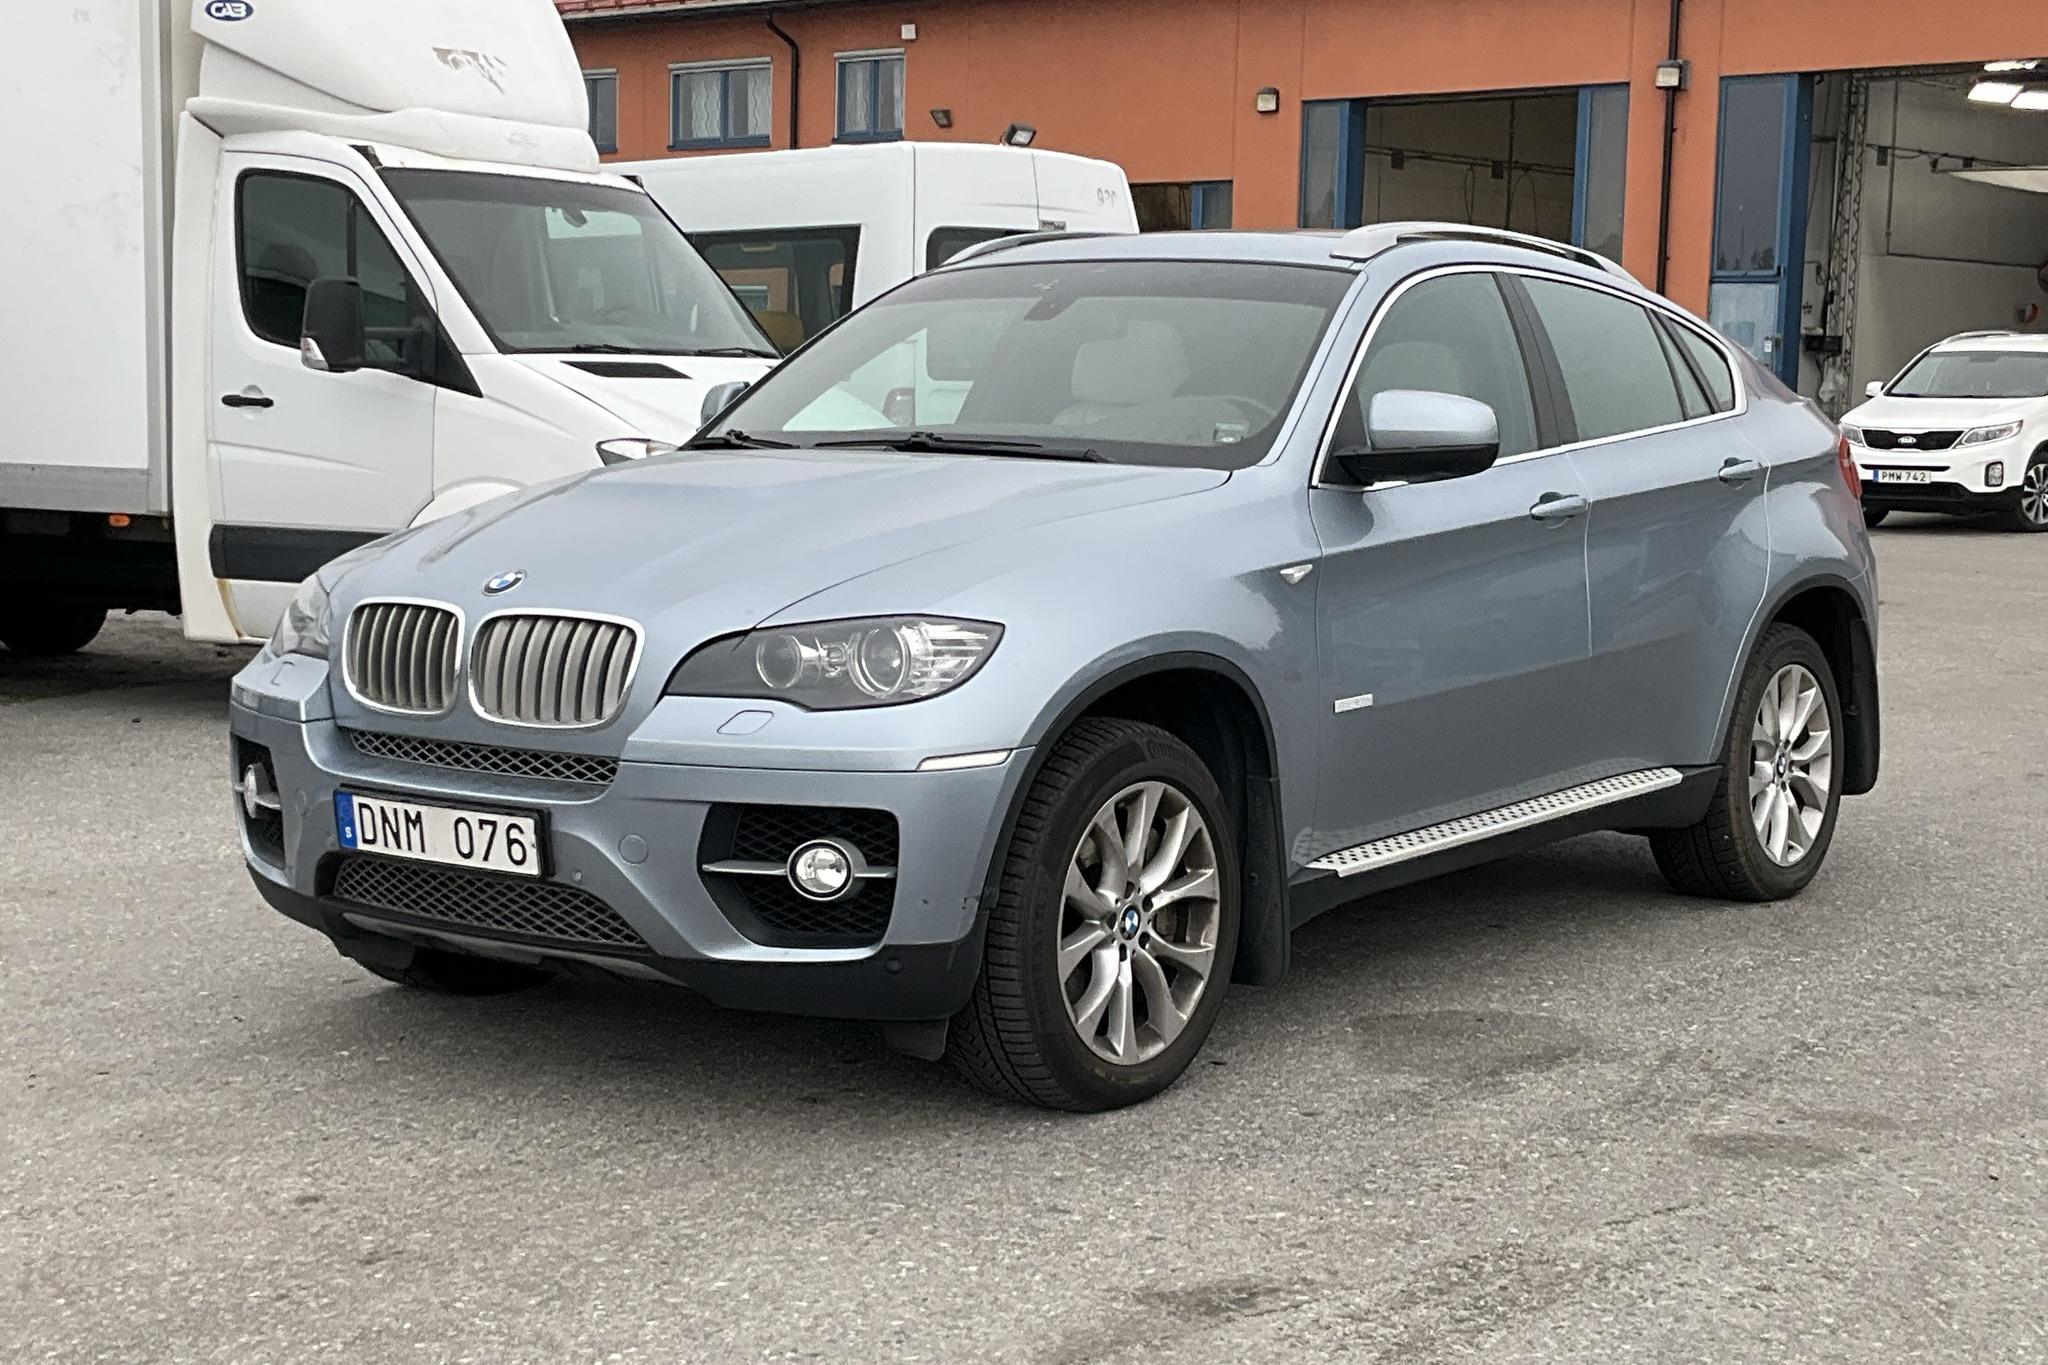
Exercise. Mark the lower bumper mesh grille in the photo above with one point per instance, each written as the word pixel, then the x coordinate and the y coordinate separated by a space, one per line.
pixel 766 908
pixel 539 911
pixel 587 769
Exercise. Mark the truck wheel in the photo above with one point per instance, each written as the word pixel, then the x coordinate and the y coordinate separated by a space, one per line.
pixel 2030 504
pixel 1874 516
pixel 43 632
pixel 1773 812
pixel 1111 939
pixel 442 973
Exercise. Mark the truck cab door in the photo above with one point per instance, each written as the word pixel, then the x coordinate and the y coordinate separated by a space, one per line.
pixel 308 464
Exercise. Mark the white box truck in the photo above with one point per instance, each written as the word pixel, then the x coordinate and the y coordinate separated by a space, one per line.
pixel 806 236
pixel 288 275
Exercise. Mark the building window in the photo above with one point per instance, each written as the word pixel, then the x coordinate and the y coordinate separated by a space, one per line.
pixel 720 104
pixel 1187 204
pixel 601 90
pixel 1600 169
pixel 1332 163
pixel 870 96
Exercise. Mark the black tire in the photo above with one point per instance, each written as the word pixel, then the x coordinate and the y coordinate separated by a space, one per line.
pixel 2016 517
pixel 443 973
pixel 1015 1038
pixel 1874 516
pixel 1723 856
pixel 44 632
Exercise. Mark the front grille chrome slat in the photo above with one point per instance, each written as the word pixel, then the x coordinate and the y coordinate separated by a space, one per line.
pixel 402 655
pixel 552 670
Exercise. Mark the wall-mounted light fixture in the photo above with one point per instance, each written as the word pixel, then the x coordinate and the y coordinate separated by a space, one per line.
pixel 1019 135
pixel 1267 101
pixel 1673 75
pixel 943 117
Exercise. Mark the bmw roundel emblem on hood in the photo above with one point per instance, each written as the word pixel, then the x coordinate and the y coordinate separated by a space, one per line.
pixel 505 582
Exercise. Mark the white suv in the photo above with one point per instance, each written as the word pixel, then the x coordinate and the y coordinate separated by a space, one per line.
pixel 1964 428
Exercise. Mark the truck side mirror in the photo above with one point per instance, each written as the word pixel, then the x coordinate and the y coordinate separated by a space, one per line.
pixel 331 332
pixel 1874 389
pixel 720 397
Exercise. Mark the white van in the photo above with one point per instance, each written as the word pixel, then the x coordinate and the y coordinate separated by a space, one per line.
pixel 806 236
pixel 303 273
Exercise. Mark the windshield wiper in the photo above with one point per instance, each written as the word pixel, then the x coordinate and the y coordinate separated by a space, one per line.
pixel 737 350
pixel 938 443
pixel 737 440
pixel 600 348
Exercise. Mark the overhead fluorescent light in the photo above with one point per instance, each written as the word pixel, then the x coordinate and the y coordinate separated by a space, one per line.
pixel 1996 92
pixel 2033 97
pixel 2023 64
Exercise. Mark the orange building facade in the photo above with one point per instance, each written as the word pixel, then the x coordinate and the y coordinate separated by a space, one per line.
pixel 1173 89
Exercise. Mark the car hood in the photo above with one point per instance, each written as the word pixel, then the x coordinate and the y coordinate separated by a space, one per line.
pixel 1937 414
pixel 704 543
pixel 668 407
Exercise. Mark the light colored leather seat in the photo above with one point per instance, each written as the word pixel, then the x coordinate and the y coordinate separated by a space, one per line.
pixel 1148 363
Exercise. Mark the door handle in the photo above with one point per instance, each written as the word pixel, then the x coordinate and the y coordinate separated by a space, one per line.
pixel 1558 507
pixel 1739 471
pixel 245 400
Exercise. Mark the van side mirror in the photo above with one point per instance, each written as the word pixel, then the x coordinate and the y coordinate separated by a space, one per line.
pixel 1416 436
pixel 331 332
pixel 720 397
pixel 1874 389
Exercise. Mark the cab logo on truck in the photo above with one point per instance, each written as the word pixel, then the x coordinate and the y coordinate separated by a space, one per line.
pixel 228 11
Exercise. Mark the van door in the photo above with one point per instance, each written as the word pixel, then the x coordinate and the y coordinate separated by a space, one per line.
pixel 308 464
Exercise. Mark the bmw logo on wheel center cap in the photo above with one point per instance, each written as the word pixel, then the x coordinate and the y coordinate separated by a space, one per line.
pixel 505 582
pixel 1127 923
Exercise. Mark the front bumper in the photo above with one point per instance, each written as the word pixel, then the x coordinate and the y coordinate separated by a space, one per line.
pixel 1958 479
pixel 633 844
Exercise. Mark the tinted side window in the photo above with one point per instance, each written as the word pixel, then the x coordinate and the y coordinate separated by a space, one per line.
pixel 1615 372
pixel 947 242
pixel 795 281
pixel 1449 335
pixel 295 229
pixel 1711 365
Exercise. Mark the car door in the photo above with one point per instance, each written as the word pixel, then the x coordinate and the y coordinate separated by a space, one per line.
pixel 309 463
pixel 1452 614
pixel 1677 545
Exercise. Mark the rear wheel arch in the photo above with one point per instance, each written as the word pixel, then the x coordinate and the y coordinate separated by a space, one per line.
pixel 1827 609
pixel 1213 707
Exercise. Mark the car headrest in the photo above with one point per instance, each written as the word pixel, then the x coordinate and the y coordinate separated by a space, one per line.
pixel 1147 363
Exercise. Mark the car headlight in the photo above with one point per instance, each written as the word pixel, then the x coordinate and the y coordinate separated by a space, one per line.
pixel 304 627
pixel 1985 435
pixel 837 665
pixel 1855 434
pixel 622 449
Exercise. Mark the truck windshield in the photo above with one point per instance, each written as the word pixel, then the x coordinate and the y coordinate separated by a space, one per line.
pixel 1975 374
pixel 1192 363
pixel 566 265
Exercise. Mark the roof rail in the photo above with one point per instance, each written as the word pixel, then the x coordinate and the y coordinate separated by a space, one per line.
pixel 1362 244
pixel 989 248
pixel 1971 336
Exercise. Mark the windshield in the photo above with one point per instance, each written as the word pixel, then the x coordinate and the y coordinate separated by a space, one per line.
pixel 1190 363
pixel 565 265
pixel 1974 374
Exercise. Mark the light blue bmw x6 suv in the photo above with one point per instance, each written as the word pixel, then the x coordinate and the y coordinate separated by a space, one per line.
pixel 1021 662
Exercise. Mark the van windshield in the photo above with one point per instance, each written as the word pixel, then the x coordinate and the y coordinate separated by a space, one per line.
pixel 1192 363
pixel 1974 374
pixel 566 265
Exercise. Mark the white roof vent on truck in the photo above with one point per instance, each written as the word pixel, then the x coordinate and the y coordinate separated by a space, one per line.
pixel 482 80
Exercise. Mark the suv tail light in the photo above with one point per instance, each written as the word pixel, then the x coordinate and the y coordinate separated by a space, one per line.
pixel 1848 464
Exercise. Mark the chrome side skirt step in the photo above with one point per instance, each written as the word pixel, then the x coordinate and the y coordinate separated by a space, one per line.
pixel 1468 829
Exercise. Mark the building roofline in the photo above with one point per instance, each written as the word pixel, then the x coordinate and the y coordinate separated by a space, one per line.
pixel 597 11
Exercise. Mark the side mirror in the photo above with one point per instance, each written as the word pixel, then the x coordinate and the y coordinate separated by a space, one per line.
pixel 1417 436
pixel 331 330
pixel 1874 389
pixel 720 397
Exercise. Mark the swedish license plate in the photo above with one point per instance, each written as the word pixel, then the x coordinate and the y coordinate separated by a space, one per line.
pixel 492 841
pixel 1905 475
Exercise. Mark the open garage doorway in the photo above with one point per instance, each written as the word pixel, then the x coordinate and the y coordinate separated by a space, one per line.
pixel 1546 162
pixel 1905 243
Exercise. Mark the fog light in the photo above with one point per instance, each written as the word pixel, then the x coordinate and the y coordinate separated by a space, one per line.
pixel 1994 473
pixel 822 869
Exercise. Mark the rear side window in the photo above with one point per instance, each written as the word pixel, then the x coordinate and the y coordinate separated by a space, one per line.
pixel 294 229
pixel 1616 374
pixel 947 242
pixel 1447 335
pixel 1709 364
pixel 795 281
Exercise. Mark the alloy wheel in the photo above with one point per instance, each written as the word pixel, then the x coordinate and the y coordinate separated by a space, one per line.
pixel 2034 494
pixel 1791 764
pixel 1139 922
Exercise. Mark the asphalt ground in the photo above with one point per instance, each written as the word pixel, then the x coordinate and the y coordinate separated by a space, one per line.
pixel 1540 1111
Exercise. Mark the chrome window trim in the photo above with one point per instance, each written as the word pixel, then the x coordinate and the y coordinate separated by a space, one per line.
pixel 1652 303
pixel 348 631
pixel 566 613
